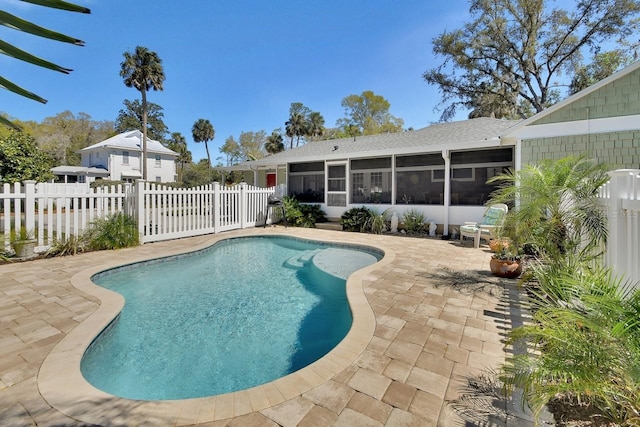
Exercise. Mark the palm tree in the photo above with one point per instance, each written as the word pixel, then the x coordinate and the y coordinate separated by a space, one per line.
pixel 274 143
pixel 296 126
pixel 315 125
pixel 555 206
pixel 178 143
pixel 142 69
pixel 203 131
pixel 16 23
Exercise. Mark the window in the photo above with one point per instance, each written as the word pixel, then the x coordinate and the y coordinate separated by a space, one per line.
pixel 158 179
pixel 125 157
pixel 420 179
pixel 371 180
pixel 158 160
pixel 470 171
pixel 337 178
pixel 306 181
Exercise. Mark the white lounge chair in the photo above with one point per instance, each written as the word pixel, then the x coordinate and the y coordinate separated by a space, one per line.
pixel 488 228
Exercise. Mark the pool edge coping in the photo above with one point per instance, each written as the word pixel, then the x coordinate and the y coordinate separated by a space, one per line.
pixel 62 385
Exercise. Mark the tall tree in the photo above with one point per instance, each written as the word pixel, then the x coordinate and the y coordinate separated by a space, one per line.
pixel 231 149
pixel 296 127
pixel 275 143
pixel 203 131
pixel 132 117
pixel 64 134
pixel 251 144
pixel 142 70
pixel 20 159
pixel 315 125
pixel 368 114
pixel 178 143
pixel 603 65
pixel 16 23
pixel 511 54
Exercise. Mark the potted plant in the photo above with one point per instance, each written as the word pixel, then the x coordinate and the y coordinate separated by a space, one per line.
pixel 506 263
pixel 23 243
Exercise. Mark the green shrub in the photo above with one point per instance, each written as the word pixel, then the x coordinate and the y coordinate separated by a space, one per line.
pixel 584 343
pixel 356 219
pixel 114 232
pixel 72 245
pixel 302 215
pixel 413 221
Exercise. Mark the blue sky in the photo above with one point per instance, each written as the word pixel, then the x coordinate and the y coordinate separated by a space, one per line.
pixel 239 64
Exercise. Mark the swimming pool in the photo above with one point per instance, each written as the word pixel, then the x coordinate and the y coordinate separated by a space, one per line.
pixel 241 313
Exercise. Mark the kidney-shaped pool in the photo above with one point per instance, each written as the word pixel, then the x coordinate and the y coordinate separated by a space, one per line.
pixel 241 313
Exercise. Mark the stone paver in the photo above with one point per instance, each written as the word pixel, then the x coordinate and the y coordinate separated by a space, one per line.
pixel 429 334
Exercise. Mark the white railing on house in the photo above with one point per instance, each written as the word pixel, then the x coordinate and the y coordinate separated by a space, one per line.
pixel 169 213
pixel 621 196
pixel 55 212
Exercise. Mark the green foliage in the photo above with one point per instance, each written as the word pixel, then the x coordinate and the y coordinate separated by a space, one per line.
pixel 114 232
pixel 557 211
pixel 413 221
pixel 275 143
pixel 506 61
pixel 584 344
pixel 203 131
pixel 16 23
pixel 142 70
pixel 72 245
pixel 132 116
pixel 21 160
pixel 302 215
pixel 356 219
pixel 62 136
pixel 197 174
pixel 368 114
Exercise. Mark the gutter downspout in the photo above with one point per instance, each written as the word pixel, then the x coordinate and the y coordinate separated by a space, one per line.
pixel 447 191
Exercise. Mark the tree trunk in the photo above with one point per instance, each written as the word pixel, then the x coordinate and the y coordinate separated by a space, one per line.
pixel 143 158
pixel 206 146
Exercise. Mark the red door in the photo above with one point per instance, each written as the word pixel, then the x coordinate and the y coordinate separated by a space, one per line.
pixel 271 180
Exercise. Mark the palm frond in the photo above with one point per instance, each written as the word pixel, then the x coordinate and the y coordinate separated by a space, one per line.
pixel 20 54
pixel 59 4
pixel 16 23
pixel 20 91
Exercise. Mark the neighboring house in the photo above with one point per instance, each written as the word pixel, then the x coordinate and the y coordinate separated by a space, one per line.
pixel 120 157
pixel 441 170
pixel 600 122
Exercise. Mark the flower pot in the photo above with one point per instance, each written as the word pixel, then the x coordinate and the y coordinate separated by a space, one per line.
pixel 24 248
pixel 505 268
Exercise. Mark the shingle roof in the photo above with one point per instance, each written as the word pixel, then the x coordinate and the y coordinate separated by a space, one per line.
pixel 473 133
pixel 132 140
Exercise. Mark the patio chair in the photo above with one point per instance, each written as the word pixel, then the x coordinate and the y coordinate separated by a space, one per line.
pixel 488 228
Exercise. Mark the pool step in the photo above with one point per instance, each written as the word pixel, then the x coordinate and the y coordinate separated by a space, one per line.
pixel 299 261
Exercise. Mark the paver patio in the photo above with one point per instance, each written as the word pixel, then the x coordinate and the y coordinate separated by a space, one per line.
pixel 440 318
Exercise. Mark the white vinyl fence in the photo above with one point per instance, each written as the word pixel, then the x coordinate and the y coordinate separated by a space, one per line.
pixel 49 212
pixel 169 213
pixel 621 196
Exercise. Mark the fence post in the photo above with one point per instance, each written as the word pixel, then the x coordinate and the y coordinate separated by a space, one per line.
pixel 216 206
pixel 243 203
pixel 30 206
pixel 139 208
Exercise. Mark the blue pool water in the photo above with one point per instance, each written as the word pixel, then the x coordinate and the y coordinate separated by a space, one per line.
pixel 242 313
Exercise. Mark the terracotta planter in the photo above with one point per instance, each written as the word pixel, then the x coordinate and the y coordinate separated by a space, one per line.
pixel 504 268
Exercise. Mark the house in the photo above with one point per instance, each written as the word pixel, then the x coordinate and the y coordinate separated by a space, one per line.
pixel 601 122
pixel 441 170
pixel 119 158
